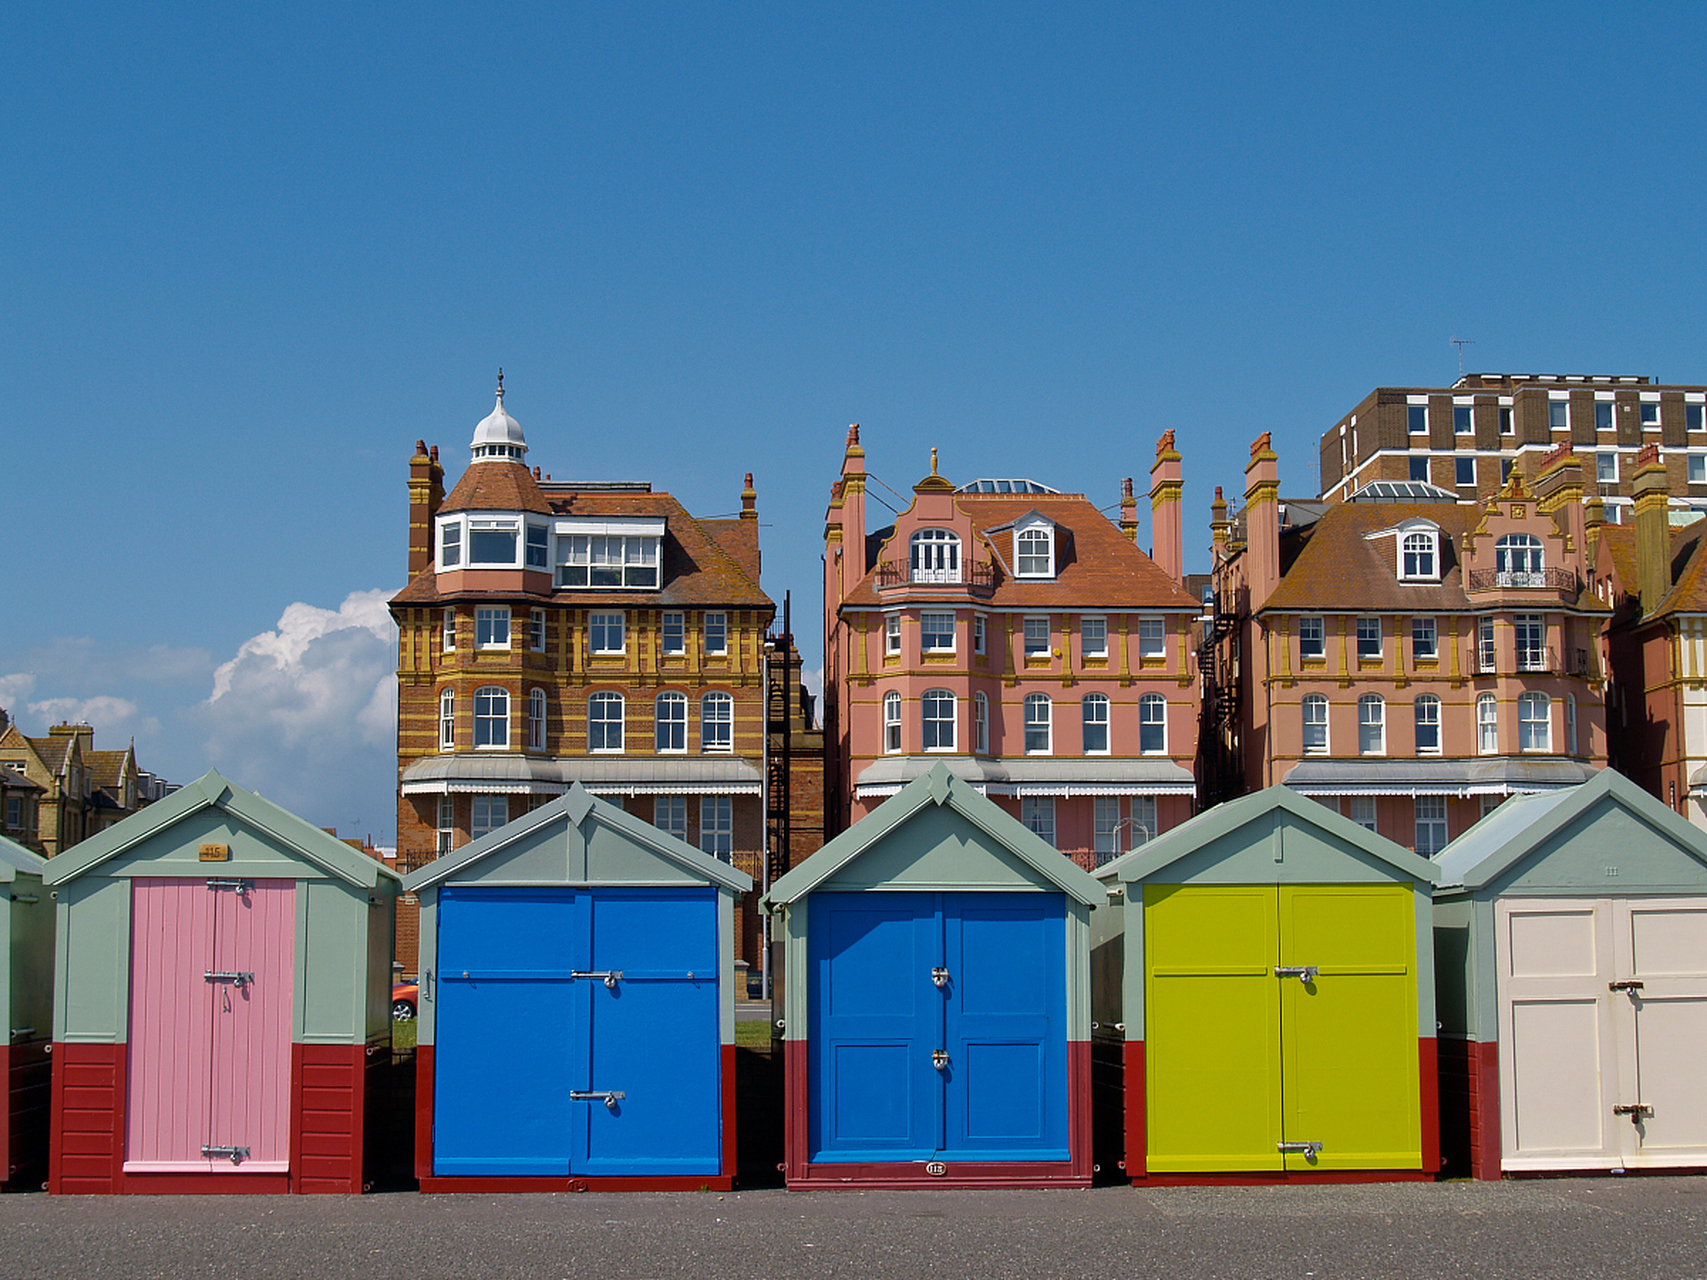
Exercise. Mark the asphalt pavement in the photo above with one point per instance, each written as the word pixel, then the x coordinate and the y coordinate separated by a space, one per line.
pixel 1562 1229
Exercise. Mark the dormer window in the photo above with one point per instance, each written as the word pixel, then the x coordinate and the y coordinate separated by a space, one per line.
pixel 609 554
pixel 1419 556
pixel 1034 551
pixel 935 556
pixel 1518 561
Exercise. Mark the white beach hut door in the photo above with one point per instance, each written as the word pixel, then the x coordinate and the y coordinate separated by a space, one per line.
pixel 1603 1027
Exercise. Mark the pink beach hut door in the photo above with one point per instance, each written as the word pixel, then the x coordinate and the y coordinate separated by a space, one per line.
pixel 211 984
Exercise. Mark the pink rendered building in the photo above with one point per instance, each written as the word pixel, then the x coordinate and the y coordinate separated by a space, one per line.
pixel 1405 657
pixel 1023 638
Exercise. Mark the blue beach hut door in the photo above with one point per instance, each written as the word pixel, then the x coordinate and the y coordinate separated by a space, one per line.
pixel 938 1027
pixel 576 1033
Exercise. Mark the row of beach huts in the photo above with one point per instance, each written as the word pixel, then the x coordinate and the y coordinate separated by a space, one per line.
pixel 199 1000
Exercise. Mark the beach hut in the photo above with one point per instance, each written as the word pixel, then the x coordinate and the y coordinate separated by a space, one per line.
pixel 1270 978
pixel 576 1025
pixel 1571 934
pixel 222 1009
pixel 937 1000
pixel 26 949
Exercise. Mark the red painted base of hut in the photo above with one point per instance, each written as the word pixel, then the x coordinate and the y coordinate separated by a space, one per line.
pixel 1137 1137
pixel 803 1175
pixel 332 1094
pixel 1470 1105
pixel 431 1182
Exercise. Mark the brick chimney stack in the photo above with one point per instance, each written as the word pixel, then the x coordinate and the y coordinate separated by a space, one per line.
pixel 1165 488
pixel 1128 511
pixel 426 492
pixel 749 500
pixel 1218 527
pixel 1262 521
pixel 1653 527
pixel 1559 493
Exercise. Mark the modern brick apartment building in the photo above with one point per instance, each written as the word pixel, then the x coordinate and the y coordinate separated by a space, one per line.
pixel 557 632
pixel 1466 437
pixel 1403 655
pixel 1020 636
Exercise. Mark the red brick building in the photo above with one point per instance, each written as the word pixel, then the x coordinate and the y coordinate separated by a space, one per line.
pixel 557 632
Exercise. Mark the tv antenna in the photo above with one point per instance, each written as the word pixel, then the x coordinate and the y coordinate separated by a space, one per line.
pixel 1461 343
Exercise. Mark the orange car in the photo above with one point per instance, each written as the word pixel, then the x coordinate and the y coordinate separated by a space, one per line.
pixel 404 996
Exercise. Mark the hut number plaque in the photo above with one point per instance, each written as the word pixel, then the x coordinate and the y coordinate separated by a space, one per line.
pixel 214 853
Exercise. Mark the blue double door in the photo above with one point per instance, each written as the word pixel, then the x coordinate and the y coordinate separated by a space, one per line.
pixel 576 1032
pixel 938 1027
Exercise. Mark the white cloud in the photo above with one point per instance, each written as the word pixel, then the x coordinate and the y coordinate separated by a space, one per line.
pixel 111 715
pixel 15 688
pixel 306 714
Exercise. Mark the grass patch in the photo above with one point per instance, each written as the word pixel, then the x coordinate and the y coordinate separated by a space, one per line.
pixel 753 1035
pixel 403 1034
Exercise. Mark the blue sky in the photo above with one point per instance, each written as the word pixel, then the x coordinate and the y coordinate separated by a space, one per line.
pixel 247 258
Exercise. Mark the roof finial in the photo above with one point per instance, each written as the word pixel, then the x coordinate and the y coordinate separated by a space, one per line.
pixel 933 459
pixel 500 382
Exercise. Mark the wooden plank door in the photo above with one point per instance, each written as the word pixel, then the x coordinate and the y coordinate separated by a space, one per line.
pixel 509 1035
pixel 254 933
pixel 1350 1072
pixel 1004 1026
pixel 652 1036
pixel 168 1083
pixel 1211 1028
pixel 1558 1066
pixel 876 1018
pixel 1662 944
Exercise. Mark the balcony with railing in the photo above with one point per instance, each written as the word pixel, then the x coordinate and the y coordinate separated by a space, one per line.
pixel 1531 660
pixel 1562 582
pixel 978 576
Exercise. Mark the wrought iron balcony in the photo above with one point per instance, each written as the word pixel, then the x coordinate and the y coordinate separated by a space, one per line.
pixel 1563 581
pixel 979 575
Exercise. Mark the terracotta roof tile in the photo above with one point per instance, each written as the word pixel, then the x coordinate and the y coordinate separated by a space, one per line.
pixel 1688 593
pixel 493 485
pixel 106 767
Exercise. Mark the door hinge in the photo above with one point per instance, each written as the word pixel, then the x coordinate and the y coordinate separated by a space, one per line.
pixel 237 1155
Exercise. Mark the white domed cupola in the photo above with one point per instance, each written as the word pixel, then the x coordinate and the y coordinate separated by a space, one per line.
pixel 499 436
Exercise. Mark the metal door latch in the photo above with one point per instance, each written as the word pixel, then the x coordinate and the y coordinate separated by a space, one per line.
pixel 238 976
pixel 1632 986
pixel 1635 1110
pixel 1309 1150
pixel 237 1155
pixel 610 1097
pixel 939 1059
pixel 610 976
pixel 1305 973
pixel 940 977
pixel 241 886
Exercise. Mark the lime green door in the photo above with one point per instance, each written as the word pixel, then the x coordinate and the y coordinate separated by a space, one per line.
pixel 1212 1019
pixel 1349 1036
pixel 1280 1028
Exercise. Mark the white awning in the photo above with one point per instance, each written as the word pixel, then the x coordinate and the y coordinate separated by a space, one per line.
pixel 1033 777
pixel 1493 776
pixel 528 775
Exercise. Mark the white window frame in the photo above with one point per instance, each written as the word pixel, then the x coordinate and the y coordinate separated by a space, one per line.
pixel 1034 550
pixel 1529 631
pixel 1463 419
pixel 933 631
pixel 1094 724
pixel 1152 637
pixel 978 641
pixel 1571 724
pixel 1419 555
pixel 1152 725
pixel 536 630
pixel 487 621
pixel 1039 714
pixel 506 528
pixel 670 724
pixel 1312 646
pixel 934 556
pixel 446 824
pixel 891 722
pixel 891 633
pixel 1425 712
pixel 536 719
pixel 1369 627
pixel 1313 725
pixel 450 544
pixel 1534 731
pixel 1106 822
pixel 1519 560
pixel 717 827
pixel 495 718
pixel 670 815
pixel 1487 725
pixel 980 724
pixel 1035 635
pixel 717 723
pixel 1460 463
pixel 1038 815
pixel 600 628
pixel 448 639
pixel 1606 467
pixel 610 734
pixel 1416 419
pixel 1431 835
pixel 487 814
pixel 609 561
pixel 1361 810
pixel 673 634
pixel 1697 468
pixel 1648 413
pixel 536 547
pixel 1487 655
pixel 1371 725
pixel 715 627
pixel 1093 636
pixel 1425 637
pixel 1145 826
pixel 939 715
pixel 447 720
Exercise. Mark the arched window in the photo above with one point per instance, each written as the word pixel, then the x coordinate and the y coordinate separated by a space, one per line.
pixel 717 723
pixel 937 719
pixel 492 718
pixel 1152 725
pixel 1517 560
pixel 1034 553
pixel 980 724
pixel 1487 724
pixel 1534 722
pixel 891 722
pixel 1418 557
pixel 1093 710
pixel 604 722
pixel 935 556
pixel 670 721
pixel 1037 718
pixel 447 719
pixel 1427 710
pixel 536 719
pixel 1371 725
pixel 1315 724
